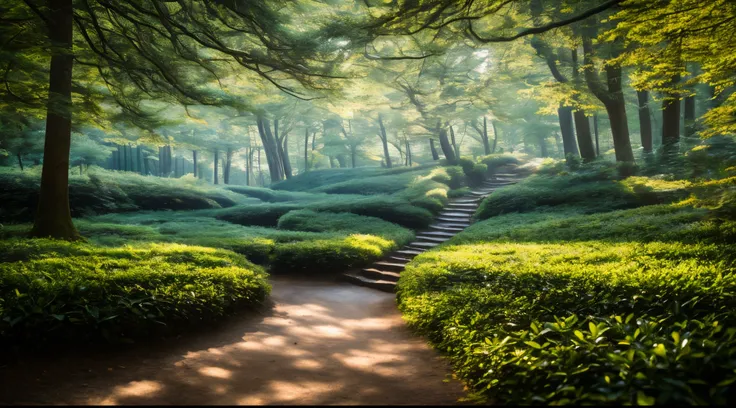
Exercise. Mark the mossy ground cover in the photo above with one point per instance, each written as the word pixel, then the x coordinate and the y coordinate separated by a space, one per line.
pixel 570 298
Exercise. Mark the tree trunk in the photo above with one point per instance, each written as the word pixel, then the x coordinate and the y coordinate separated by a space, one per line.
pixel 217 160
pixel 645 121
pixel 227 163
pixel 270 148
pixel 486 142
pixel 495 135
pixel 194 163
pixel 145 166
pixel 568 134
pixel 689 112
pixel 595 128
pixel 558 143
pixel 115 160
pixel 408 152
pixel 314 140
pixel 455 149
pixel 284 145
pixel 53 216
pixel 671 121
pixel 543 147
pixel 139 158
pixel 306 151
pixel 260 172
pixel 341 161
pixel 353 154
pixel 20 161
pixel 435 156
pixel 384 140
pixel 447 148
pixel 585 141
pixel 332 162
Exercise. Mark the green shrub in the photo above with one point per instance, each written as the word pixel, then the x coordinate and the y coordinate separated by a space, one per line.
pixel 277 196
pixel 494 161
pixel 306 220
pixel 323 177
pixel 103 191
pixel 584 191
pixel 581 323
pixel 386 208
pixel 329 256
pixel 59 292
pixel 266 215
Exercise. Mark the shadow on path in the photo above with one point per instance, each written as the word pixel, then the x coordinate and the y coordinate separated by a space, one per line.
pixel 320 343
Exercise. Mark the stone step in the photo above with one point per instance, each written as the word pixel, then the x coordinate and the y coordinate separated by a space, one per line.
pixel 453 213
pixel 450 226
pixel 379 274
pixel 389 266
pixel 439 233
pixel 432 239
pixel 416 248
pixel 425 245
pixel 455 220
pixel 400 258
pixel 409 252
pixel 386 286
pixel 463 210
pixel 462 205
pixel 467 200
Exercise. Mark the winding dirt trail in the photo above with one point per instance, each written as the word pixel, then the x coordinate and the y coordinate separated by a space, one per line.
pixel 321 343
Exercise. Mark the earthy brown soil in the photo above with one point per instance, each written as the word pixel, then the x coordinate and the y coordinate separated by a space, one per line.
pixel 320 343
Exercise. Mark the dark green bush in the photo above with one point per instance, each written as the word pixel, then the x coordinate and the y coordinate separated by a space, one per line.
pixel 581 323
pixel 582 191
pixel 102 191
pixel 266 215
pixel 386 208
pixel 494 161
pixel 306 220
pixel 59 292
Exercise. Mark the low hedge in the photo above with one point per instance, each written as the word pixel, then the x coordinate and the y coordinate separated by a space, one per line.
pixel 590 196
pixel 60 292
pixel 581 323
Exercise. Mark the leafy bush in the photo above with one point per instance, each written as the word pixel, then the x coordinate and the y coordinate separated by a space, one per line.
pixel 584 191
pixel 581 323
pixel 306 220
pixel 266 215
pixel 103 191
pixel 329 256
pixel 387 208
pixel 494 161
pixel 57 292
pixel 323 177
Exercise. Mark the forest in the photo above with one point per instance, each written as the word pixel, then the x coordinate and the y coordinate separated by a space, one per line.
pixel 425 202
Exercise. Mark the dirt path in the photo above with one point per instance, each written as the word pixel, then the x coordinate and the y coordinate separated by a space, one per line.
pixel 322 343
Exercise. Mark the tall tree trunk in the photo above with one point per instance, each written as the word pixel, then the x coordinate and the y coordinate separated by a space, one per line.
pixel 226 164
pixel 495 135
pixel 194 163
pixel 306 150
pixel 126 158
pixel 582 125
pixel 454 144
pixel 671 120
pixel 408 153
pixel 53 216
pixel 595 127
pixel 332 162
pixel 568 134
pixel 248 158
pixel 353 154
pixel 435 155
pixel 115 160
pixel 139 159
pixel 645 121
pixel 689 113
pixel 484 136
pixel 20 161
pixel 145 166
pixel 260 172
pixel 558 143
pixel 612 98
pixel 270 148
pixel 314 140
pixel 582 131
pixel 133 159
pixel 446 147
pixel 284 146
pixel 341 161
pixel 384 140
pixel 217 162
pixel 543 147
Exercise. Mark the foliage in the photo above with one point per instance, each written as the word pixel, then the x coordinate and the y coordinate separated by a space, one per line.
pixel 60 292
pixel 102 191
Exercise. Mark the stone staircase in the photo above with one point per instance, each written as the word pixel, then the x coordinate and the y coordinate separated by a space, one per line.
pixel 455 217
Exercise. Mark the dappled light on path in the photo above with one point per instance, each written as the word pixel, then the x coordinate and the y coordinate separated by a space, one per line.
pixel 322 343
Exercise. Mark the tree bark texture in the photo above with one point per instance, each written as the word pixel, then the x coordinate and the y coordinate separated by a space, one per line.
pixel 384 141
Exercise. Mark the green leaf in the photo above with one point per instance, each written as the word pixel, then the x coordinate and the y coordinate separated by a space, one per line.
pixel 533 344
pixel 660 350
pixel 593 329
pixel 644 399
pixel 579 334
